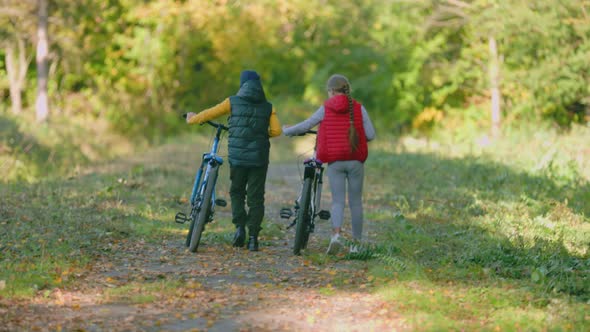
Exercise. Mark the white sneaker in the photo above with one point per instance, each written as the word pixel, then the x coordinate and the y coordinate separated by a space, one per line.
pixel 354 249
pixel 335 245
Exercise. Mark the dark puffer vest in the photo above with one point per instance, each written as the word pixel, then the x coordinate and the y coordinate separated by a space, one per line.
pixel 248 142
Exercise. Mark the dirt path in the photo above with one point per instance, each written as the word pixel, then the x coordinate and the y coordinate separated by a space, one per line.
pixel 220 288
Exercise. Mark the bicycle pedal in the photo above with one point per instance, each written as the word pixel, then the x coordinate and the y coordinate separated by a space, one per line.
pixel 324 215
pixel 181 218
pixel 221 202
pixel 286 213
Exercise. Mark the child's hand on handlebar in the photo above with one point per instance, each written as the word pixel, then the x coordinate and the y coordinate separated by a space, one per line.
pixel 188 116
pixel 285 130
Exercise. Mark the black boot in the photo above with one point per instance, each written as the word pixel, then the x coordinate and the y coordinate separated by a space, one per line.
pixel 239 237
pixel 253 243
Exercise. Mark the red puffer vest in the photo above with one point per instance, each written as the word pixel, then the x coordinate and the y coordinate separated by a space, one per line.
pixel 333 142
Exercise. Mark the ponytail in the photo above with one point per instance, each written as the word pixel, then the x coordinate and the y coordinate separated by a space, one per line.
pixel 353 138
pixel 340 84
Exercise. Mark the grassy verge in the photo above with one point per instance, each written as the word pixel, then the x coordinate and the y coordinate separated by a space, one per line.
pixel 495 238
pixel 30 151
pixel 53 228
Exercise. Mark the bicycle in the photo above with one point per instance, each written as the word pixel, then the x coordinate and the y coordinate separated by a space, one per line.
pixel 307 206
pixel 203 199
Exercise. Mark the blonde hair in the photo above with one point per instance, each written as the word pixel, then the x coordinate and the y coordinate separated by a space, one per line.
pixel 340 84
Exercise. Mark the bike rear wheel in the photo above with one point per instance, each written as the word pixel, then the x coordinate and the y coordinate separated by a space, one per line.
pixel 202 216
pixel 303 218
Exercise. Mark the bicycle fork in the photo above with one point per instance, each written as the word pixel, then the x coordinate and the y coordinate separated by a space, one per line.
pixel 181 217
pixel 316 210
pixel 202 175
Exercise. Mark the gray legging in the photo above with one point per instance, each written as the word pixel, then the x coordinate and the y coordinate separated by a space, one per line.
pixel 339 173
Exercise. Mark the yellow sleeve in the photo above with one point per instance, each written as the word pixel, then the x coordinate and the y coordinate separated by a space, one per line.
pixel 211 113
pixel 274 128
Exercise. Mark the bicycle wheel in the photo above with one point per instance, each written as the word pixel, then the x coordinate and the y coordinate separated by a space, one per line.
pixel 192 226
pixel 201 218
pixel 303 218
pixel 194 212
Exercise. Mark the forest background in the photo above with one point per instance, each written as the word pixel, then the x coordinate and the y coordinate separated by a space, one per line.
pixel 129 68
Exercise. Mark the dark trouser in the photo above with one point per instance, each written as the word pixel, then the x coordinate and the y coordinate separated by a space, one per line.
pixel 247 183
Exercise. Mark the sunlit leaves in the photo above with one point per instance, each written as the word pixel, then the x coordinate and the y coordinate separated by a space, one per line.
pixel 138 63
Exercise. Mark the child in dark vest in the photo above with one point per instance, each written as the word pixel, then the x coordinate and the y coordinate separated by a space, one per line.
pixel 344 130
pixel 252 121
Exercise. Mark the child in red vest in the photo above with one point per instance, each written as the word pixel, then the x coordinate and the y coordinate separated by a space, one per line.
pixel 344 130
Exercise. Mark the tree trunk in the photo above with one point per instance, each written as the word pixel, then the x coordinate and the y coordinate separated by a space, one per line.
pixel 494 76
pixel 16 68
pixel 42 104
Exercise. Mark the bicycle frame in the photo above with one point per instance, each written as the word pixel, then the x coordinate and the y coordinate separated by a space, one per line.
pixel 307 205
pixel 210 159
pixel 203 192
pixel 314 170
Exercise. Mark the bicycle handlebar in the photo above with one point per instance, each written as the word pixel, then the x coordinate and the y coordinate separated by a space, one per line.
pixel 217 125
pixel 308 132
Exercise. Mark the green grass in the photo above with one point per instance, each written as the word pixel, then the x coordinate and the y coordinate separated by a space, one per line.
pixel 470 237
pixel 30 151
pixel 52 228
pixel 482 239
pixel 139 293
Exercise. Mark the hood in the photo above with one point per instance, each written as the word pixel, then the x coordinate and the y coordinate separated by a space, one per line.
pixel 252 91
pixel 338 103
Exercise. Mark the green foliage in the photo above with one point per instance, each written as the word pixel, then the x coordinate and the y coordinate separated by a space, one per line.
pixel 139 64
pixel 546 47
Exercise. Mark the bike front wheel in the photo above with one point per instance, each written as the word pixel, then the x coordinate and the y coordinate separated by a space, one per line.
pixel 202 216
pixel 303 218
pixel 192 226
